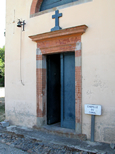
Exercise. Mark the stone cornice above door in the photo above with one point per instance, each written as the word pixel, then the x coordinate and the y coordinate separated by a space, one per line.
pixel 60 40
pixel 78 30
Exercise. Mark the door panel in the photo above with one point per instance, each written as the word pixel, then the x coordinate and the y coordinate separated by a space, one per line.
pixel 68 90
pixel 53 88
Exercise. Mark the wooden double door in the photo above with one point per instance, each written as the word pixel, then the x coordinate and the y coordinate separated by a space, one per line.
pixel 61 89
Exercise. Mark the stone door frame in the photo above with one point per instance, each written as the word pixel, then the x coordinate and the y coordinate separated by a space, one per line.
pixel 65 40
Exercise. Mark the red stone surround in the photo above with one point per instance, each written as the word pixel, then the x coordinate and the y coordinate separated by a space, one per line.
pixel 64 40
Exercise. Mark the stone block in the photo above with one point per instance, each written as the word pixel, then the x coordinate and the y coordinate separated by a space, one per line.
pixel 85 152
pixel 112 145
pixel 5 123
pixel 102 153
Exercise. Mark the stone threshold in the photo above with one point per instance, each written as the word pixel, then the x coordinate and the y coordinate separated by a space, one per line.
pixel 64 132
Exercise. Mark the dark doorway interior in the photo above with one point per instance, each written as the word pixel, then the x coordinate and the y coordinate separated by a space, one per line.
pixel 61 89
pixel 53 89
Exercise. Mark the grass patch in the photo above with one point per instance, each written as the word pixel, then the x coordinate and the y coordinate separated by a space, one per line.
pixel 2 112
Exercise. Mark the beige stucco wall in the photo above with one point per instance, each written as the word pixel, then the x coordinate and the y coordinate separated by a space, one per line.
pixel 98 61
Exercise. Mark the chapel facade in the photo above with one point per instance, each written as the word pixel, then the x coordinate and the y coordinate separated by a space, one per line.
pixel 59 61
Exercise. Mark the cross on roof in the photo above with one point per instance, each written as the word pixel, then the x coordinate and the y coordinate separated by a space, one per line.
pixel 56 16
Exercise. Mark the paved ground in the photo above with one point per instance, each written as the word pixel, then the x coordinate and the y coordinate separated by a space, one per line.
pixel 39 142
pixel 5 149
pixel 34 146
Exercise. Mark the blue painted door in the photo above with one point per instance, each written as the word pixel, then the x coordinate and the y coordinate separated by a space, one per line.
pixel 68 90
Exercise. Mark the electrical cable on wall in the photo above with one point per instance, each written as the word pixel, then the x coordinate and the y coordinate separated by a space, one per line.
pixel 20 57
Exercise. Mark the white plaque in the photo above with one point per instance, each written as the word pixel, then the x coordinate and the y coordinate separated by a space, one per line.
pixel 92 109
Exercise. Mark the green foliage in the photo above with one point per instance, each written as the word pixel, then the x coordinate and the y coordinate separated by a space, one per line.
pixel 1 68
pixel 2 53
pixel 2 65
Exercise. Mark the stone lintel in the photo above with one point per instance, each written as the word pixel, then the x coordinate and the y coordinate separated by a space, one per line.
pixel 78 30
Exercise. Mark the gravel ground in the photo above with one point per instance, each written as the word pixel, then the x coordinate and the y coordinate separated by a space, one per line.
pixel 30 142
pixel 32 146
pixel 5 149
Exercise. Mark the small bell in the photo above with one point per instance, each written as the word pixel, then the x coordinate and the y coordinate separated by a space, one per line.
pixel 19 24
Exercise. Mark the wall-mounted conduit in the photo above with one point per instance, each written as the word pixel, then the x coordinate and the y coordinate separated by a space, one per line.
pixel 21 57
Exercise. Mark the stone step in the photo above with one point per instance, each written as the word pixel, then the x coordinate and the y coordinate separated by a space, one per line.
pixel 64 132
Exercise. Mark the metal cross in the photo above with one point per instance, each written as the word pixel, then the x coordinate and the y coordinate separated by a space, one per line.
pixel 56 16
